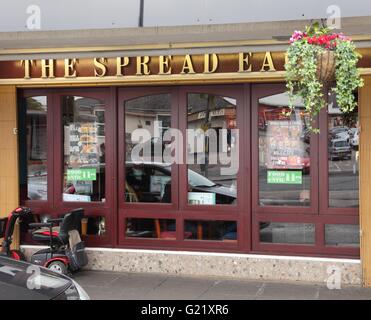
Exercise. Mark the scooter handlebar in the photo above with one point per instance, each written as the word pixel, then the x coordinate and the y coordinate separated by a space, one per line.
pixel 40 225
pixel 56 220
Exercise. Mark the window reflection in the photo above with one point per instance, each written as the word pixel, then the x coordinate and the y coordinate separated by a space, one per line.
pixel 342 235
pixel 284 153
pixel 150 228
pixel 287 232
pixel 149 181
pixel 212 149
pixel 210 230
pixel 343 167
pixel 93 225
pixel 35 138
pixel 84 149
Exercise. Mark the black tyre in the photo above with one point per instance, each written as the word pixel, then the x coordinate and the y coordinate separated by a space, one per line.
pixel 58 267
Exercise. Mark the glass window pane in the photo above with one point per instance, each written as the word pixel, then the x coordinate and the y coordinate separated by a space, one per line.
pixel 93 225
pixel 151 228
pixel 84 149
pixel 210 230
pixel 148 170
pixel 282 232
pixel 343 167
pixel 342 235
pixel 34 140
pixel 212 149
pixel 284 153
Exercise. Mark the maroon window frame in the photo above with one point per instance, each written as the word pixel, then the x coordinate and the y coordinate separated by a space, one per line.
pixel 54 206
pixel 143 210
pixel 240 213
pixel 43 206
pixel 318 212
pixel 246 213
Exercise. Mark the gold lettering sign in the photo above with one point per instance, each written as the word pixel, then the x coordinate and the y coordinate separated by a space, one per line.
pixel 27 64
pixel 268 62
pixel 47 68
pixel 69 68
pixel 187 65
pixel 164 63
pixel 244 59
pixel 120 64
pixel 142 65
pixel 100 68
pixel 214 63
pixel 242 62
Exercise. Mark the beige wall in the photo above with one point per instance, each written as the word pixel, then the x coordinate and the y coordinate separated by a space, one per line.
pixel 8 150
pixel 365 180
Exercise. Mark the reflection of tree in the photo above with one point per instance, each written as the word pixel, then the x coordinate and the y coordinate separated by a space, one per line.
pixel 350 119
pixel 33 104
pixel 205 126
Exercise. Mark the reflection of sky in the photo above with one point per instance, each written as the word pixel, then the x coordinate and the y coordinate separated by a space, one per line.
pixel 280 100
pixel 82 14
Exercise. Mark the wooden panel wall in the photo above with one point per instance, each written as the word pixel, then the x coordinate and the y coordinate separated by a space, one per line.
pixel 365 179
pixel 9 186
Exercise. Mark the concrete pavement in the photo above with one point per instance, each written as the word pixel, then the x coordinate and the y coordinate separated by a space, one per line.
pixel 102 285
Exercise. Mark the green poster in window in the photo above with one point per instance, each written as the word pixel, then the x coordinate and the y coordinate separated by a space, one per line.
pixel 284 177
pixel 82 174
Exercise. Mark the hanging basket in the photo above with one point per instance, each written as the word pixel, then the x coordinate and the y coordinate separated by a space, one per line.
pixel 326 65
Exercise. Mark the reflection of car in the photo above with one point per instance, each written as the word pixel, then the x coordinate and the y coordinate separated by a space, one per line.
pixel 344 134
pixel 21 281
pixel 305 136
pixel 339 149
pixel 336 130
pixel 144 179
pixel 354 141
pixel 301 161
pixel 352 132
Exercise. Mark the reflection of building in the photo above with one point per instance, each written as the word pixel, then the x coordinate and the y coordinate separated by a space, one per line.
pixel 282 143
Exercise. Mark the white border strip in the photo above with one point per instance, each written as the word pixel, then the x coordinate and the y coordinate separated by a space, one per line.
pixel 214 254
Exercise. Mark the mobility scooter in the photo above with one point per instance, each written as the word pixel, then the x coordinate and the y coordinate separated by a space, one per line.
pixel 66 252
pixel 6 231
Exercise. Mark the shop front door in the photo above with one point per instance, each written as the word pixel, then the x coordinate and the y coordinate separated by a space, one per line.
pixel 187 186
pixel 67 157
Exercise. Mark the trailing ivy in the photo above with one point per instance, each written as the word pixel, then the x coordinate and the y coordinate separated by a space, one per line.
pixel 347 75
pixel 301 71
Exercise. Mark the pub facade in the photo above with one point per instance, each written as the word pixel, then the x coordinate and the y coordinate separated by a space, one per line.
pixel 255 181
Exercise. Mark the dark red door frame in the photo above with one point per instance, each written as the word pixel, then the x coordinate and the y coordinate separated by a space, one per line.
pixel 107 208
pixel 143 210
pixel 41 207
pixel 318 213
pixel 324 172
pixel 246 213
pixel 179 210
pixel 260 91
pixel 239 212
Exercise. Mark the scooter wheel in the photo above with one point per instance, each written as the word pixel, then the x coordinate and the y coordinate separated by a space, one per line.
pixel 58 267
pixel 17 255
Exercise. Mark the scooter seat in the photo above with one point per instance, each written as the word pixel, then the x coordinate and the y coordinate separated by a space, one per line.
pixel 43 235
pixel 46 231
pixel 39 237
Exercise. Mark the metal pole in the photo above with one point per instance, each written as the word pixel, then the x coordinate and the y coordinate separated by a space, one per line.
pixel 141 13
